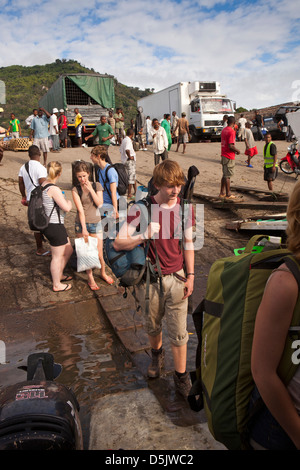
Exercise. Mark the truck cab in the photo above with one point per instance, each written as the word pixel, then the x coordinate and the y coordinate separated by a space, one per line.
pixel 206 114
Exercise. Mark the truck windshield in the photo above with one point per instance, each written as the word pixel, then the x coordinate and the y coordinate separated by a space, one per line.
pixel 216 105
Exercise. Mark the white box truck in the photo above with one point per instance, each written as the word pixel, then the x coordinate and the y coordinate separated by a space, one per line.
pixel 202 102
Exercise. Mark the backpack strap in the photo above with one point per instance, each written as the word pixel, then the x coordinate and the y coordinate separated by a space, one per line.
pixel 27 169
pixel 55 205
pixel 106 179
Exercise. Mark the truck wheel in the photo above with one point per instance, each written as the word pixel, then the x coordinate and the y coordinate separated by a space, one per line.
pixel 193 136
pixel 285 167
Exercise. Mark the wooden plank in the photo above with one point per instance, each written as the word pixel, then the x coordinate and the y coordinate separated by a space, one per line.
pixel 259 225
pixel 124 319
pixel 250 205
pixel 134 341
pixel 256 190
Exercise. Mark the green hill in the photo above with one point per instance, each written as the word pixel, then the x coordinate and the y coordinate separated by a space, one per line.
pixel 26 85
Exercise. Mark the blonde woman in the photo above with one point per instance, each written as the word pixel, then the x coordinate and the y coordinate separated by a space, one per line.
pixel 87 199
pixel 56 205
pixel 278 427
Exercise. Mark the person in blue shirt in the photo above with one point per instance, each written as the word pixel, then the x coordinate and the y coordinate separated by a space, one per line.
pixel 39 132
pixel 109 181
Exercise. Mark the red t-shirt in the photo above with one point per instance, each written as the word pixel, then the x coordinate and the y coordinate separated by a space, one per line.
pixel 168 240
pixel 227 137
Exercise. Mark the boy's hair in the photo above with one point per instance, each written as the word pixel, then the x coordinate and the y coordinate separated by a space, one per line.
pixel 81 166
pixel 168 173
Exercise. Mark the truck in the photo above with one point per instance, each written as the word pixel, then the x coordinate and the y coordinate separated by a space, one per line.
pixel 93 94
pixel 202 102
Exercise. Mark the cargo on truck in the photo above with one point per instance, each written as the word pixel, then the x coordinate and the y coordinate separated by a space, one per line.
pixel 202 102
pixel 93 95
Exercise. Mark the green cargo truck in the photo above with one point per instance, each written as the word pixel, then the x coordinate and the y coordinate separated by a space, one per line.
pixel 93 94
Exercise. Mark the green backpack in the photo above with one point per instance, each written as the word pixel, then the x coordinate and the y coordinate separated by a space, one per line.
pixel 224 321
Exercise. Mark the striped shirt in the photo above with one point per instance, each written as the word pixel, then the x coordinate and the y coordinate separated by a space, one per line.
pixel 48 204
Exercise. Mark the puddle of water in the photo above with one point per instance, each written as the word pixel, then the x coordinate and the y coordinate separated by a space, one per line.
pixel 94 364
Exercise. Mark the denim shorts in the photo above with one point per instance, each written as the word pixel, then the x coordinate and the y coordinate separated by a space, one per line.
pixel 91 228
pixel 266 431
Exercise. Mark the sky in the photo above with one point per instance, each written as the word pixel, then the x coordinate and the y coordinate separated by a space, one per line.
pixel 251 48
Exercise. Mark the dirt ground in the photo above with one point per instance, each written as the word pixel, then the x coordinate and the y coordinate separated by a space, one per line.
pixel 218 241
pixel 32 316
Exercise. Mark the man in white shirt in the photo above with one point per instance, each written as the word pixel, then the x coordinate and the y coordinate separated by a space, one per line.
pixel 53 130
pixel 27 182
pixel 241 123
pixel 30 118
pixel 160 142
pixel 128 157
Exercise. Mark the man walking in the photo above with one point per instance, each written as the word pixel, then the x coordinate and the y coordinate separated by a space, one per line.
pixel 228 152
pixel 39 132
pixel 53 130
pixel 14 127
pixel 169 299
pixel 32 174
pixel 105 132
pixel 270 161
pixel 160 141
pixel 183 132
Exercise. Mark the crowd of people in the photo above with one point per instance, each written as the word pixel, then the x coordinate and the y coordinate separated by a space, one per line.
pixel 169 298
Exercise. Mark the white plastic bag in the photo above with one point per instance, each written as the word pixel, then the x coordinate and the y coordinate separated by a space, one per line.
pixel 87 254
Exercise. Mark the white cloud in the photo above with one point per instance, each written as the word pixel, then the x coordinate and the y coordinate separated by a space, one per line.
pixel 248 47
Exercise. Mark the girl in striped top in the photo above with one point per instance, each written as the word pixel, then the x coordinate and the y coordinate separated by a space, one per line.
pixel 61 249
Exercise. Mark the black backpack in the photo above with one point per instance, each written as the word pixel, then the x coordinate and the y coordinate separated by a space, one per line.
pixel 37 218
pixel 122 178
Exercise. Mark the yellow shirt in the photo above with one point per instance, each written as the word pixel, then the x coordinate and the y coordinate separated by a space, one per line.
pixel 78 119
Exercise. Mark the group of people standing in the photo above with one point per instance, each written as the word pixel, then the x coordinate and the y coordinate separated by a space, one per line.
pixel 176 260
pixel 229 150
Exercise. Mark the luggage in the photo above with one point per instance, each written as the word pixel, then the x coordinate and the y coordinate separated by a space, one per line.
pixel 122 178
pixel 224 322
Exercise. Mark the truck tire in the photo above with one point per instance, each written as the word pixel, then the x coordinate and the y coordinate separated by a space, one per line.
pixel 193 137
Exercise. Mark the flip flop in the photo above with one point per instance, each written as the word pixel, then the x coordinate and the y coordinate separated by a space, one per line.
pixel 231 198
pixel 68 287
pixel 109 282
pixel 66 278
pixel 93 286
pixel 43 254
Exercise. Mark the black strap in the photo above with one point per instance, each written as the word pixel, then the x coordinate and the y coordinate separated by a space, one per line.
pixel 106 179
pixel 55 205
pixel 27 169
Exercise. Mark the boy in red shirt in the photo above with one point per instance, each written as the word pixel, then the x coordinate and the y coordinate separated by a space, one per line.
pixel 228 152
pixel 172 302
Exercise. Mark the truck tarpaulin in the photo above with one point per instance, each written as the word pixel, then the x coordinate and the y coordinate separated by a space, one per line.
pixel 100 89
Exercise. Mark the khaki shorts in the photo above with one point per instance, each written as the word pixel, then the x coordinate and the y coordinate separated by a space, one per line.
pixel 228 167
pixel 170 306
pixel 42 144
